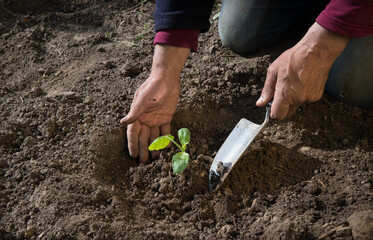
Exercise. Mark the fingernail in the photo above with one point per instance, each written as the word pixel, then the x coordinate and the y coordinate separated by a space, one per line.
pixel 261 99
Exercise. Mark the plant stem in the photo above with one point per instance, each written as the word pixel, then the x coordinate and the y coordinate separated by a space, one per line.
pixel 183 150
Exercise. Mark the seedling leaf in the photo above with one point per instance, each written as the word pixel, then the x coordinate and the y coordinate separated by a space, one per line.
pixel 161 142
pixel 180 162
pixel 184 136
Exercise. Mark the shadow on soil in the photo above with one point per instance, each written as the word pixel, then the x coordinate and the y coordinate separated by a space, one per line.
pixel 112 159
pixel 268 167
pixel 349 130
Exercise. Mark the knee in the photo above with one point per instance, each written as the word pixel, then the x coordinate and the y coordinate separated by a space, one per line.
pixel 350 78
pixel 238 41
pixel 351 89
pixel 247 25
pixel 237 27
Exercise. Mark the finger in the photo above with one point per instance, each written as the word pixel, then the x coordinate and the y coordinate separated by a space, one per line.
pixel 137 108
pixel 292 110
pixel 133 131
pixel 154 133
pixel 144 143
pixel 165 130
pixel 317 93
pixel 280 107
pixel 319 87
pixel 132 116
pixel 269 88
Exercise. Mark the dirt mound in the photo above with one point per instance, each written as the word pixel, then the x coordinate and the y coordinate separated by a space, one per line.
pixel 68 73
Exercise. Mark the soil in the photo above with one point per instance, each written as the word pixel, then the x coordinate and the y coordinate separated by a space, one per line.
pixel 68 73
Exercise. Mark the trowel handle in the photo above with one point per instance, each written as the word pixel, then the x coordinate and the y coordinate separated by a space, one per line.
pixel 268 111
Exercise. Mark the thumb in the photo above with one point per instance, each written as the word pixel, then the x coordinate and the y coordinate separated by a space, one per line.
pixel 131 117
pixel 268 89
pixel 138 107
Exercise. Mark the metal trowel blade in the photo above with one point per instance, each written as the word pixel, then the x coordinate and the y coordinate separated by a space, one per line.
pixel 232 149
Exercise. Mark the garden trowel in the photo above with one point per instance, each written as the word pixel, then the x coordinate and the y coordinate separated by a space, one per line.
pixel 232 149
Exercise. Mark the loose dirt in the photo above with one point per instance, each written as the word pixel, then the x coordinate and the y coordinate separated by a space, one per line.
pixel 68 73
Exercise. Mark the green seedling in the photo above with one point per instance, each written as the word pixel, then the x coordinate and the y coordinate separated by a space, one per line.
pixel 179 160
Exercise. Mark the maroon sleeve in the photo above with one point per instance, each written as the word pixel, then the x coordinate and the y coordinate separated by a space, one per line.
pixel 352 18
pixel 178 38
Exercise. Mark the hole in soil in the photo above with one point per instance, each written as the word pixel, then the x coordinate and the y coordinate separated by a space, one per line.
pixel 266 167
pixel 269 167
pixel 112 160
pixel 211 124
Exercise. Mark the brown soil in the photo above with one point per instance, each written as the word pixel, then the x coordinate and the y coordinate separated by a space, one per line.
pixel 68 73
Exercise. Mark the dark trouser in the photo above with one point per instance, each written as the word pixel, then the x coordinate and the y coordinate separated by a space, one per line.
pixel 247 25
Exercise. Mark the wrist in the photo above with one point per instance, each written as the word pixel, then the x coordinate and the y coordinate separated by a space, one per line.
pixel 326 44
pixel 168 61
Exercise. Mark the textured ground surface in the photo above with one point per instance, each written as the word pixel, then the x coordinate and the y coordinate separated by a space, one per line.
pixel 68 73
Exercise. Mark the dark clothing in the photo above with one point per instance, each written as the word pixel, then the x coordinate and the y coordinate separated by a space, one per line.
pixel 179 14
pixel 247 25
pixel 352 18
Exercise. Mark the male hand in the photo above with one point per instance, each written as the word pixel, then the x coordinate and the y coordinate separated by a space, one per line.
pixel 150 115
pixel 300 73
pixel 155 102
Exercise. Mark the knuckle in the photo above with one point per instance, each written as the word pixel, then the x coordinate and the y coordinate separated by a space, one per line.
pixel 271 70
pixel 267 90
pixel 302 98
pixel 318 97
pixel 143 139
pixel 288 96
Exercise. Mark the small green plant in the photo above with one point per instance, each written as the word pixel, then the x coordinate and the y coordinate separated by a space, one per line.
pixel 179 160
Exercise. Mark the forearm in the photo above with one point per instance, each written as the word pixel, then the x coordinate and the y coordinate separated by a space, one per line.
pixel 168 61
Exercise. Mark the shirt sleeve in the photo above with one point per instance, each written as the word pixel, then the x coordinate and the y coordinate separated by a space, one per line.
pixel 351 18
pixel 178 38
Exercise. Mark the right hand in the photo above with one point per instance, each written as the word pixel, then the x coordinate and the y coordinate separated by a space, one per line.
pixel 155 102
